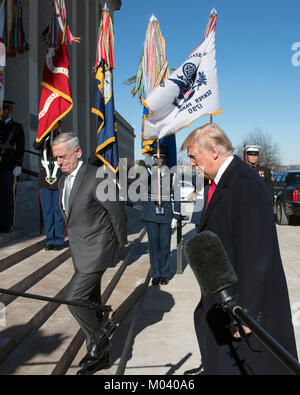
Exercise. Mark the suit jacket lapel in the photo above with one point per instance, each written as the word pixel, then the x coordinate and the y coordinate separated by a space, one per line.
pixel 219 192
pixel 75 189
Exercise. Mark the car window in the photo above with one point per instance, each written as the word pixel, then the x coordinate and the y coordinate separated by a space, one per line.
pixel 275 179
pixel 282 181
pixel 278 180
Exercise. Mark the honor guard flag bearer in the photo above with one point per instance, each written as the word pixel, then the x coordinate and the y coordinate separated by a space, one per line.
pixel 190 92
pixel 103 104
pixel 56 99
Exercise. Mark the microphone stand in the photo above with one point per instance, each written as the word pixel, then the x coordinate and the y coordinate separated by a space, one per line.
pixel 229 305
pixel 91 306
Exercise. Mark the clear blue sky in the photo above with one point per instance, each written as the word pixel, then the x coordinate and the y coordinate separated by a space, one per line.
pixel 259 86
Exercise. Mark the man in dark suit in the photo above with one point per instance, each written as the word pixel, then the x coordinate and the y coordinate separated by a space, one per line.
pixel 97 231
pixel 239 210
pixel 12 146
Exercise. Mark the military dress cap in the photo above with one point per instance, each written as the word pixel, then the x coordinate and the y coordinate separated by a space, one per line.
pixel 8 103
pixel 162 153
pixel 252 148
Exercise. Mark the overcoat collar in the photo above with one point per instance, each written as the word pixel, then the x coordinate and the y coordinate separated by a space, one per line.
pixel 219 191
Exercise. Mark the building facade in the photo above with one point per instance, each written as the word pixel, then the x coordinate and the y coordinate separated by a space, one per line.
pixel 23 75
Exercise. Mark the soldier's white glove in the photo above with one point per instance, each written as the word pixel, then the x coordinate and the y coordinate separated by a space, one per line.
pixel 173 223
pixel 17 171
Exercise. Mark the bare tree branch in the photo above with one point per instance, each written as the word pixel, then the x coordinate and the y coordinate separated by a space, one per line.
pixel 269 154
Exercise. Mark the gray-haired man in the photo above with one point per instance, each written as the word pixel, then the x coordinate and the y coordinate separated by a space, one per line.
pixel 96 230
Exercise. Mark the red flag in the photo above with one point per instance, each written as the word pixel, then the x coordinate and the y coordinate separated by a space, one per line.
pixel 56 99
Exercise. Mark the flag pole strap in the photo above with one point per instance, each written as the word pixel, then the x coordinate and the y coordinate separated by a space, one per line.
pixel 158 174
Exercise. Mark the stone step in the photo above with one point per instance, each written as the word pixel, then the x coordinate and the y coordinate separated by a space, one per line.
pixel 29 271
pixel 42 349
pixel 21 230
pixel 25 316
pixel 39 336
pixel 17 250
pixel 25 333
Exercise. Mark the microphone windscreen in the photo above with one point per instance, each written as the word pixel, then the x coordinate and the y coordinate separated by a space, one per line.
pixel 210 263
pixel 123 310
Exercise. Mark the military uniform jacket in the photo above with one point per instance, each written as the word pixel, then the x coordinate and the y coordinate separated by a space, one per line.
pixel 171 208
pixel 12 145
pixel 265 173
pixel 240 213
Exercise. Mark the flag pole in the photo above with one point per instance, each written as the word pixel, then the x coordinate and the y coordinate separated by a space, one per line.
pixel 158 174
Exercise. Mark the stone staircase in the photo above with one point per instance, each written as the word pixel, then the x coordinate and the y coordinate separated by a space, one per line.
pixel 42 338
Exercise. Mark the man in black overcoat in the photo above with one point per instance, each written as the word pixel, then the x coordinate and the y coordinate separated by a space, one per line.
pixel 240 213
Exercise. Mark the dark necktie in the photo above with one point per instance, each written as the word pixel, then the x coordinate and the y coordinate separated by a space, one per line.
pixel 211 190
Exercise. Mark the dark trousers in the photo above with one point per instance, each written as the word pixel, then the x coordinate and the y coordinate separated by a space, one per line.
pixel 159 238
pixel 86 287
pixel 7 197
pixel 53 221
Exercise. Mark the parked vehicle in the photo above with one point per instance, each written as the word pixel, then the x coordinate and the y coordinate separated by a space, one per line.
pixel 286 196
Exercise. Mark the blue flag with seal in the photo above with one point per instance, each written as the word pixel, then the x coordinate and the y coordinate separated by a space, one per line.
pixel 104 108
pixel 167 144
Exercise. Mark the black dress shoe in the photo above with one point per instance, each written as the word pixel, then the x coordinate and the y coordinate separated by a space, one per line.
pixel 96 353
pixel 164 281
pixel 195 371
pixel 100 364
pixel 49 247
pixel 155 280
pixel 7 228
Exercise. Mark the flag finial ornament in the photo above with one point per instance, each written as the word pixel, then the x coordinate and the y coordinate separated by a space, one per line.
pixel 153 18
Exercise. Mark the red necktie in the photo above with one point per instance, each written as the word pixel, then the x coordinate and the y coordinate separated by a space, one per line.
pixel 211 190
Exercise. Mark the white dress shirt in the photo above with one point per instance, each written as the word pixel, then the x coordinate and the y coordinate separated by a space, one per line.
pixel 222 169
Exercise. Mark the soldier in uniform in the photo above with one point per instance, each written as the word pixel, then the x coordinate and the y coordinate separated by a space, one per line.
pixel 252 152
pixel 12 146
pixel 50 173
pixel 158 219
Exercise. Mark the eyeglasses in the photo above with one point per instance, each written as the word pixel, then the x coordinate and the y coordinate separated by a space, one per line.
pixel 252 153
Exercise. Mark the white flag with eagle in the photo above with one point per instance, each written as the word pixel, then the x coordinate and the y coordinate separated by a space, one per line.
pixel 190 92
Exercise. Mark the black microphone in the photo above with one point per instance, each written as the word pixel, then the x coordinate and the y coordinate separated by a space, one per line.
pixel 215 274
pixel 210 263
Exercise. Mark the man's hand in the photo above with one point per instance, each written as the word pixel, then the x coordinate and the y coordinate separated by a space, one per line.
pixel 173 223
pixel 235 332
